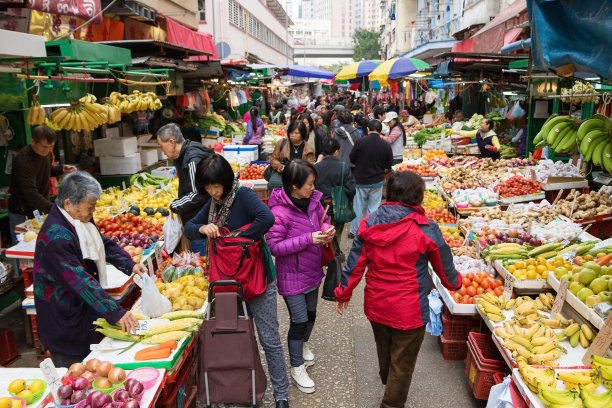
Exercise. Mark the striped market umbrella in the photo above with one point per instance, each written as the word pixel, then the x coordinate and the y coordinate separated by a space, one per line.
pixel 356 70
pixel 397 68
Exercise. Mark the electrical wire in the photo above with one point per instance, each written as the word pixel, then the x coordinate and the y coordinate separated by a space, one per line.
pixel 87 22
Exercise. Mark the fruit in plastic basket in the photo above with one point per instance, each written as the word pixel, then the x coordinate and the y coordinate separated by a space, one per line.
pixel 16 386
pixel 7 402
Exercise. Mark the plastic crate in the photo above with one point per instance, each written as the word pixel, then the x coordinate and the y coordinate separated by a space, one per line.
pixel 499 377
pixel 485 351
pixel 177 377
pixel 8 346
pixel 457 328
pixel 601 229
pixel 452 349
pixel 263 194
pixel 480 376
pixel 27 276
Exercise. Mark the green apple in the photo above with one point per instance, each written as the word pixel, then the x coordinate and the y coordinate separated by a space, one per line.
pixel 575 276
pixel 606 296
pixel 610 285
pixel 592 300
pixel 584 293
pixel 567 277
pixel 586 276
pixel 593 266
pixel 574 287
pixel 560 271
pixel 598 285
pixel 605 271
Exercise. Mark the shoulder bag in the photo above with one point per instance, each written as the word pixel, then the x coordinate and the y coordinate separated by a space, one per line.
pixel 343 210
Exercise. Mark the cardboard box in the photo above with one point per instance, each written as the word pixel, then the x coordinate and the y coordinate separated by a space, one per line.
pixel 121 147
pixel 148 156
pixel 120 165
pixel 167 172
pixel 241 153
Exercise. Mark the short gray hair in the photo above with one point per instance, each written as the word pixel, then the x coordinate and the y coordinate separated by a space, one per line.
pixel 170 131
pixel 77 187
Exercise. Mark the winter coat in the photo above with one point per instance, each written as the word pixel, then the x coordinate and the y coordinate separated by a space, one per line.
pixel 189 200
pixel 396 242
pixel 253 136
pixel 282 152
pixel 341 134
pixel 396 140
pixel 67 294
pixel 329 175
pixel 298 260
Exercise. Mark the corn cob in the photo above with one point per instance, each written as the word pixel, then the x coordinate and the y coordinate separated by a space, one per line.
pixel 507 250
pixel 139 316
pixel 181 314
pixel 508 245
pixel 163 337
pixel 174 325
pixel 545 248
pixel 119 335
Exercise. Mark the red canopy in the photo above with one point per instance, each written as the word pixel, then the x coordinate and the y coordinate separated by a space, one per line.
pixel 179 34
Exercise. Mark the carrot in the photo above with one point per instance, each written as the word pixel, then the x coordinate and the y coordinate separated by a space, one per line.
pixel 604 260
pixel 171 344
pixel 147 354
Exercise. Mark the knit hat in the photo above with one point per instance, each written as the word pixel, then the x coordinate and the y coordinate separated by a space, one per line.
pixel 300 109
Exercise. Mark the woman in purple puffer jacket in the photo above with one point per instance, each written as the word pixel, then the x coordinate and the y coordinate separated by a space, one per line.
pixel 295 240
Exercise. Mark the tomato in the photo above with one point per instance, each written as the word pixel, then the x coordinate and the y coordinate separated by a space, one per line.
pixel 489 290
pixel 474 284
pixel 466 281
pixel 466 300
pixel 486 284
pixel 499 282
pixel 471 291
pixel 469 275
pixel 478 278
pixel 457 298
pixel 479 291
pixel 462 291
pixel 499 291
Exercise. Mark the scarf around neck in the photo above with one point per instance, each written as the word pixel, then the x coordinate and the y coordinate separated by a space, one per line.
pixel 220 216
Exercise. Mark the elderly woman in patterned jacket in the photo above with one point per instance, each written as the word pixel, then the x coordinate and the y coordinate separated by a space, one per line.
pixel 70 272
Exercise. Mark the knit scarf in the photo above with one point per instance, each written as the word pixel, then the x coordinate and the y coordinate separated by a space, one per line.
pixel 219 217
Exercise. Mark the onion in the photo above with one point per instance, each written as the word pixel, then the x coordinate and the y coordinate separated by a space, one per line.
pixel 92 364
pixel 66 402
pixel 116 375
pixel 535 242
pixel 103 383
pixel 512 233
pixel 154 237
pixel 131 404
pixel 80 383
pixel 522 236
pixel 64 391
pixel 121 395
pixel 78 396
pixel 100 400
pixel 129 383
pixel 104 368
pixel 88 375
pixel 76 370
pixel 93 395
pixel 491 241
pixel 136 389
pixel 499 235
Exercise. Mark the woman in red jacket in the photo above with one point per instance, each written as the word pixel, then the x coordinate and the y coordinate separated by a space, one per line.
pixel 396 243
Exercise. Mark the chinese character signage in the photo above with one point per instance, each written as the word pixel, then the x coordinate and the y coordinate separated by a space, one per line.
pixel 84 9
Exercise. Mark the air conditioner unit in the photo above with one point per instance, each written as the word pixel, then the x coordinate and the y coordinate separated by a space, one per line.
pixel 135 10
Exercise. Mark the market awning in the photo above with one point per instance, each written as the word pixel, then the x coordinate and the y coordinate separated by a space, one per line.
pixel 500 31
pixel 16 44
pixel 576 33
pixel 307 71
pixel 143 48
pixel 430 49
pixel 78 50
pixel 179 34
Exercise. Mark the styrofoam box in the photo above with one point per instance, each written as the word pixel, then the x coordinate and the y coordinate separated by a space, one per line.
pixel 148 156
pixel 241 153
pixel 120 165
pixel 167 172
pixel 112 132
pixel 209 142
pixel 122 147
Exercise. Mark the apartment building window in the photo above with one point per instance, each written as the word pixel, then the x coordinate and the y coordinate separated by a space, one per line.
pixel 255 27
pixel 202 10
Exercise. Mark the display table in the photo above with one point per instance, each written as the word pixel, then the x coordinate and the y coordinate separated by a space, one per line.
pixel 7 375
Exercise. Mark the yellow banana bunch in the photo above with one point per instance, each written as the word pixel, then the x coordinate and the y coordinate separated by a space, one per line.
pixel 36 114
pixel 84 114
pixel 532 375
pixel 550 396
pixel 136 101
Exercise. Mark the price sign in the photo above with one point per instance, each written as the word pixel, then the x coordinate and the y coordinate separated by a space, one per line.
pixel 560 299
pixel 124 203
pixel 150 266
pixel 600 343
pixel 53 379
pixel 38 218
pixel 145 325
pixel 119 209
pixel 151 192
pixel 569 256
pixel 158 257
pixel 138 186
pixel 144 176
pixel 478 248
pixel 123 184
pixel 508 286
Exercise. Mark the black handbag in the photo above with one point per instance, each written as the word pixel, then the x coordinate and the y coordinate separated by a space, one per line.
pixel 332 278
pixel 272 176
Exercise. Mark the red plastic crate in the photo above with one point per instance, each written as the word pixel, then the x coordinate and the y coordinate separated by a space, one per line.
pixel 498 378
pixel 457 328
pixel 27 276
pixel 480 377
pixel 8 346
pixel 452 349
pixel 176 379
pixel 263 194
pixel 485 351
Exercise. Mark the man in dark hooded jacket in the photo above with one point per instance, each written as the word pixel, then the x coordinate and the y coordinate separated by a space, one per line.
pixel 346 135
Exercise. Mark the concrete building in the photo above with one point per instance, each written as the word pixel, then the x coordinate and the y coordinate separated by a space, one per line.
pixel 397 25
pixel 256 30
pixel 480 12
pixel 371 15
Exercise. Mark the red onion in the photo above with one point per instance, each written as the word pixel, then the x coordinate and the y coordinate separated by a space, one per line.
pixel 78 396
pixel 64 392
pixel 100 400
pixel 80 383
pixel 136 389
pixel 121 395
pixel 129 383
pixel 131 404
pixel 66 402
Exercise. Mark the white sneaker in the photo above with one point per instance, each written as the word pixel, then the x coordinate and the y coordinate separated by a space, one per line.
pixel 307 355
pixel 302 380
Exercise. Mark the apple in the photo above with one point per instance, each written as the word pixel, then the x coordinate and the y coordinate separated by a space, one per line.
pixel 560 271
pixel 586 276
pixel 584 293
pixel 605 271
pixel 593 266
pixel 592 300
pixel 606 296
pixel 598 285
pixel 575 287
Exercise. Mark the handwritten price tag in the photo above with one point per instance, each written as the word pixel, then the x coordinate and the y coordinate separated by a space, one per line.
pixel 124 203
pixel 158 257
pixel 138 186
pixel 569 256
pixel 560 299
pixel 600 343
pixel 53 379
pixel 508 286
pixel 478 248
pixel 145 325
pixel 150 266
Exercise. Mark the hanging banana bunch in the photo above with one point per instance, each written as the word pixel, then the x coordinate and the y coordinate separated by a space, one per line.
pixel 36 113
pixel 136 101
pixel 83 114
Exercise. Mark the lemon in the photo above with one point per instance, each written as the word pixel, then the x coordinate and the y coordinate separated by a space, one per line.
pixel 541 260
pixel 540 268
pixel 158 216
pixel 25 393
pixel 531 268
pixel 544 274
pixel 531 262
pixel 531 274
pixel 520 265
pixel 589 257
pixel 36 386
pixel 16 386
pixel 511 268
pixel 5 402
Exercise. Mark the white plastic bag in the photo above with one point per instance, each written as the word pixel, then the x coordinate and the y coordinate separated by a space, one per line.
pixel 500 396
pixel 154 304
pixel 173 231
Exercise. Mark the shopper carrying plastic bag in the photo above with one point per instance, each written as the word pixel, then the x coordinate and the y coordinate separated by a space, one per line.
pixel 434 327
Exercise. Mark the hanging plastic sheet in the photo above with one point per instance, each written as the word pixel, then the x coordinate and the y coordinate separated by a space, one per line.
pixel 571 32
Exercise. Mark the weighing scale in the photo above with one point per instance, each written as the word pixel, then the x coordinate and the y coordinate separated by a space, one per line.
pixel 602 179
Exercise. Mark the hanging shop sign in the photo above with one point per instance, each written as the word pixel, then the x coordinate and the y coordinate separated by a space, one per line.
pixel 85 9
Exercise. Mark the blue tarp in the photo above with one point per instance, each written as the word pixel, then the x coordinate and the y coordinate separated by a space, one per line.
pixel 572 31
pixel 307 71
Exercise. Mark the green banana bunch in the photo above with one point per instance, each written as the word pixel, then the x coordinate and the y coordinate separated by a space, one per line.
pixel 146 179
